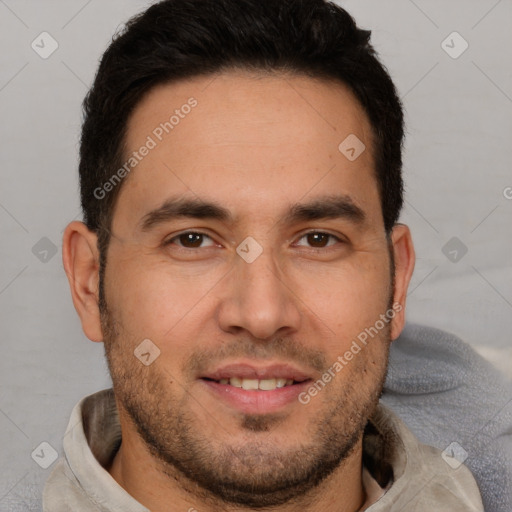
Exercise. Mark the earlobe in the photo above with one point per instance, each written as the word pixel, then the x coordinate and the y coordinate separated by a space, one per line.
pixel 80 258
pixel 403 250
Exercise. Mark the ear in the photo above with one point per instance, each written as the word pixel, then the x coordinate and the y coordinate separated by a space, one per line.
pixel 80 257
pixel 405 258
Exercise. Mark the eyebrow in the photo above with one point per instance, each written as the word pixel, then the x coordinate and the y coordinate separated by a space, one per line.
pixel 327 207
pixel 174 208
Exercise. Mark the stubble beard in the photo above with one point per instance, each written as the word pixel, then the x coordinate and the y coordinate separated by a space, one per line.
pixel 256 473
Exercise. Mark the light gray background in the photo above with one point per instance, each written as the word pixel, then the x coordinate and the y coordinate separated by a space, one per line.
pixel 457 169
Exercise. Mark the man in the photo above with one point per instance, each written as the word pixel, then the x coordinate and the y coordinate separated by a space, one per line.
pixel 241 260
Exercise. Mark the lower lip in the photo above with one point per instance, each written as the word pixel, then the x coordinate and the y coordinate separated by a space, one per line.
pixel 256 401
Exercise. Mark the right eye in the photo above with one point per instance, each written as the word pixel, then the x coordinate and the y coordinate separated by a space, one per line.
pixel 190 240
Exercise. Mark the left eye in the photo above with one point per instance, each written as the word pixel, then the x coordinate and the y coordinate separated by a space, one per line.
pixel 190 240
pixel 319 240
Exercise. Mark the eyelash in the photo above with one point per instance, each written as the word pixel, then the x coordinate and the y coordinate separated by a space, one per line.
pixel 319 249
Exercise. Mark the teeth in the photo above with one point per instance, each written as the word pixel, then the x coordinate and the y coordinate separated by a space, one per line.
pixel 249 384
pixel 267 384
pixel 280 383
pixel 253 384
pixel 234 381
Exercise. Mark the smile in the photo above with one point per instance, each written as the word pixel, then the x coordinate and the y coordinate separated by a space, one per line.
pixel 256 389
pixel 257 384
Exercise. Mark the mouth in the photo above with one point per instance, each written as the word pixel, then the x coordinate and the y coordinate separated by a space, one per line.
pixel 256 384
pixel 257 390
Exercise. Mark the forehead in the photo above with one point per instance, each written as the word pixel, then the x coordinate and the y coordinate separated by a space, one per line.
pixel 236 101
pixel 267 139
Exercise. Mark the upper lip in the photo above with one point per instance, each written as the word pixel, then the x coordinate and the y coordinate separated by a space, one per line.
pixel 249 371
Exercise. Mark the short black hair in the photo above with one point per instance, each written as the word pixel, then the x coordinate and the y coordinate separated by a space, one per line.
pixel 180 39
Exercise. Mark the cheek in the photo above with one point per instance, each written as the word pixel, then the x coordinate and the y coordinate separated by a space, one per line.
pixel 152 299
pixel 347 298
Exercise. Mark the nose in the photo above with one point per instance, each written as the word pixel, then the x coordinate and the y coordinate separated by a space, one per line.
pixel 258 299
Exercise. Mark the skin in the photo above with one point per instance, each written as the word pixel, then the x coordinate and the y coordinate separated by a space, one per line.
pixel 254 144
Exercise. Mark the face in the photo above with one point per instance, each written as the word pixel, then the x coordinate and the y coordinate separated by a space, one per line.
pixel 251 252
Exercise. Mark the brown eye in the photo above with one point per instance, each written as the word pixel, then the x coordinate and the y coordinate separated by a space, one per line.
pixel 190 240
pixel 318 240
